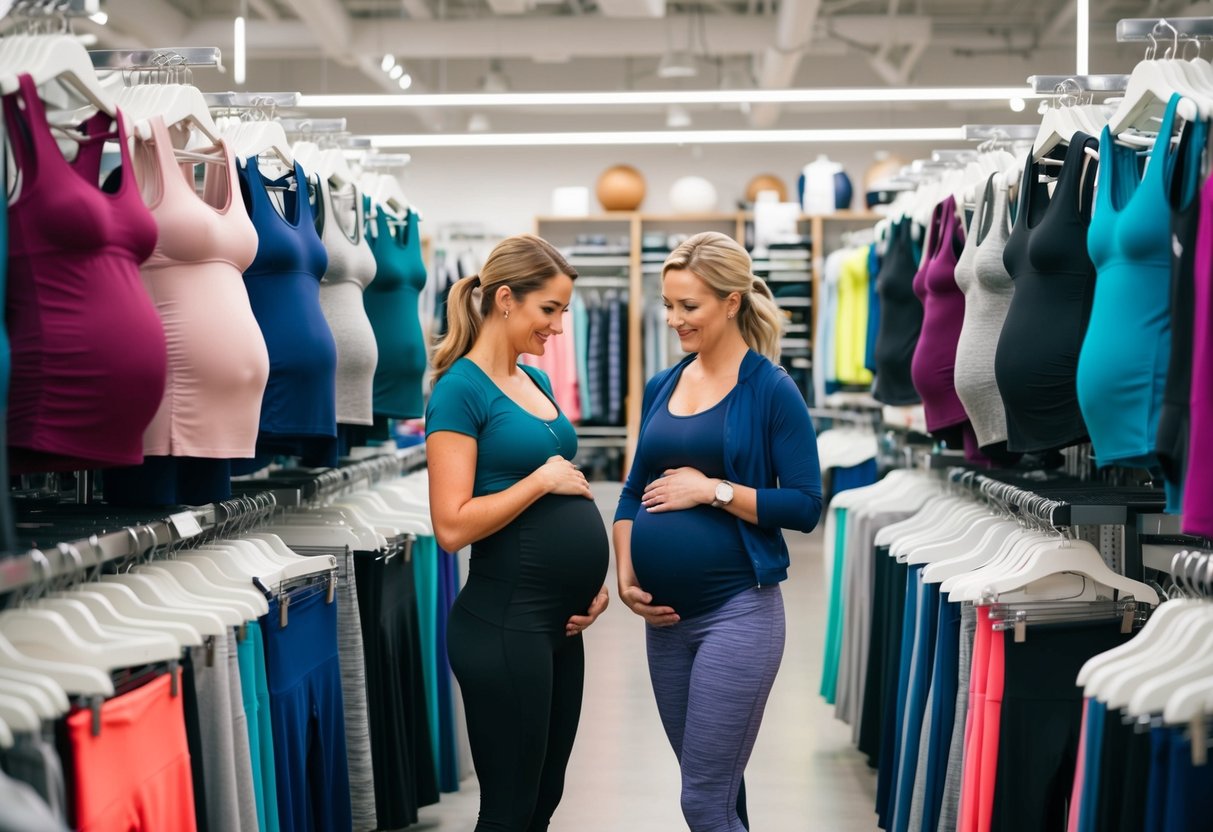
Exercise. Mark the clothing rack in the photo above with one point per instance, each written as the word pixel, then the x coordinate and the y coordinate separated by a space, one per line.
pixel 251 100
pixel 147 59
pixel 1140 29
pixel 1049 84
pixel 33 12
pixel 259 500
pixel 312 126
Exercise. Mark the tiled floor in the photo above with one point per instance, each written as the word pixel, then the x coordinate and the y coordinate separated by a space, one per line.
pixel 804 775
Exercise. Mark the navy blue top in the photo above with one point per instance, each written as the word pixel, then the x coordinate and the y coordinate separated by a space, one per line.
pixel 693 560
pixel 769 445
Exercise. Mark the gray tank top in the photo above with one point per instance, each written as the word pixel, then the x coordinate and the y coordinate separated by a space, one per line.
pixel 987 287
pixel 351 269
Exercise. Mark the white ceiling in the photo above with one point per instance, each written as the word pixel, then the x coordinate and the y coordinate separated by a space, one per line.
pixel 319 46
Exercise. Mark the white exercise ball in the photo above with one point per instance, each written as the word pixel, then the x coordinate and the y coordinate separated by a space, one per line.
pixel 693 195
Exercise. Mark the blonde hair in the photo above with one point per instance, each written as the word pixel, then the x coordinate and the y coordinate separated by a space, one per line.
pixel 523 263
pixel 720 262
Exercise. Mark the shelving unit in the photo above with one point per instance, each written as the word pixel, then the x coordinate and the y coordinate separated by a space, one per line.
pixel 630 270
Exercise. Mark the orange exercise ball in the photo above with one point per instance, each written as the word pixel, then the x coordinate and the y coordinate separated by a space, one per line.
pixel 621 188
pixel 766 182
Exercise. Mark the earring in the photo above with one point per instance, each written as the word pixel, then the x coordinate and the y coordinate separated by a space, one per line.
pixel 731 316
pixel 507 314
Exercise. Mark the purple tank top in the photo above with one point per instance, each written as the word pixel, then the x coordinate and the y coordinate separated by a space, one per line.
pixel 88 350
pixel 1198 482
pixel 943 317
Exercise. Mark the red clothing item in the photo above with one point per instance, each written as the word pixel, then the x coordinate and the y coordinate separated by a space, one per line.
pixel 88 350
pixel 134 776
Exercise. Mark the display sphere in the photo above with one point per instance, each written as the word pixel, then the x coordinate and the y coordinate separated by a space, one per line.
pixel 766 182
pixel 621 188
pixel 693 195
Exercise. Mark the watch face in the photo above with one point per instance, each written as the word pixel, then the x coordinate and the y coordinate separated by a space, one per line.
pixel 724 492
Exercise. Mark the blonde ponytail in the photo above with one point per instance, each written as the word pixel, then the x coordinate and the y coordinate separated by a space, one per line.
pixel 721 262
pixel 522 263
pixel 463 321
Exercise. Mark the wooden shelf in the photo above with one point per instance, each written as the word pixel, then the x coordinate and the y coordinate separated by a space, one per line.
pixel 611 216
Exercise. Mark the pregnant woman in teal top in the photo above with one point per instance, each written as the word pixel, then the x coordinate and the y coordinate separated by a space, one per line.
pixel 501 479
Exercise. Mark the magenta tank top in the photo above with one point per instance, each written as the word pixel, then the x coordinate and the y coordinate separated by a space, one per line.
pixel 88 349
pixel 943 317
pixel 1198 482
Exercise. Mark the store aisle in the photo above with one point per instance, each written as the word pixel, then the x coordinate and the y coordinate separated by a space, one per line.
pixel 804 776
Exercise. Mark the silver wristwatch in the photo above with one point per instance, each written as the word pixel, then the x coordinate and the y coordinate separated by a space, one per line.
pixel 724 494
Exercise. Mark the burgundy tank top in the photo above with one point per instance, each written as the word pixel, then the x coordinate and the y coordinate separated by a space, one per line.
pixel 943 317
pixel 88 349
pixel 1198 482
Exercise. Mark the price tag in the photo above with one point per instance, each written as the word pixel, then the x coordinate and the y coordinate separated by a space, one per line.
pixel 185 524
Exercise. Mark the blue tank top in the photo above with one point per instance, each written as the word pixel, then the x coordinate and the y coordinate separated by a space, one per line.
pixel 300 401
pixel 1122 368
pixel 692 560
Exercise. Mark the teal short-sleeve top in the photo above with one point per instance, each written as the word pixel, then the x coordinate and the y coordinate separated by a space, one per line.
pixel 511 443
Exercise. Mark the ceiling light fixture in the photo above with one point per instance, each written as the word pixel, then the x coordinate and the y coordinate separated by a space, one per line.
pixel 1017 105
pixel 677 65
pixel 395 72
pixel 495 81
pixel 238 51
pixel 857 95
pixel 660 137
pixel 100 18
pixel 677 118
pixel 388 62
pixel 405 81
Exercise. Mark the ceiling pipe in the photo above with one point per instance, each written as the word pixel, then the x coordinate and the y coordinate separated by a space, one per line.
pixel 793 32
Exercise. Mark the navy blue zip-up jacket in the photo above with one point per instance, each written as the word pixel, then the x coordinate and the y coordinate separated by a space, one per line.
pixel 769 445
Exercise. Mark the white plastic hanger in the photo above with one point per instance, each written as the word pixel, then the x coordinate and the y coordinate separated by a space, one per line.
pixel 19 715
pixel 61 58
pixel 1188 701
pixel 233 612
pixel 122 608
pixel 250 603
pixel 47 635
pixel 35 696
pixel 51 691
pixel 73 677
pixel 1152 694
pixel 207 622
pixel 80 618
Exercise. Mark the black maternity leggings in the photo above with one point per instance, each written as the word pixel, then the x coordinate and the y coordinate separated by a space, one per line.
pixel 520 675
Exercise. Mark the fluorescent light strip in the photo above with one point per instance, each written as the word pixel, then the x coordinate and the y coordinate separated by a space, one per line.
pixel 859 95
pixel 238 62
pixel 655 137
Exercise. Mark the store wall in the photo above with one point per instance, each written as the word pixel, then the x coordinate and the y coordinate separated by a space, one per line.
pixel 504 189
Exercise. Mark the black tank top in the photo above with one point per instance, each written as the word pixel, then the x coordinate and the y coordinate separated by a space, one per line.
pixel 900 319
pixel 1183 195
pixel 1036 363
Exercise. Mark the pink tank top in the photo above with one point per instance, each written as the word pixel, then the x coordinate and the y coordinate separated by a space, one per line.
pixel 1198 482
pixel 217 360
pixel 88 349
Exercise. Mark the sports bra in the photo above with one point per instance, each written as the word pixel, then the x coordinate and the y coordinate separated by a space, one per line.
pixel 900 319
pixel 1123 365
pixel 1183 194
pixel 1037 357
pixel 987 288
pixel 218 364
pixel 283 285
pixel 392 307
pixel 351 269
pixel 943 315
pixel 88 350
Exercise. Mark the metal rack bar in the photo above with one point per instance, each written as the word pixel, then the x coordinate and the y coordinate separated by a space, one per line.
pixel 1008 132
pixel 165 58
pixel 1139 29
pixel 1083 83
pixel 251 100
pixel 312 125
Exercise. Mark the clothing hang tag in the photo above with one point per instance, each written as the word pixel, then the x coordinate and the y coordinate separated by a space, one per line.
pixel 1021 627
pixel 282 614
pixel 210 651
pixel 1200 740
pixel 94 705
pixel 1126 621
pixel 242 632
pixel 185 524
pixel 174 679
pixel 332 590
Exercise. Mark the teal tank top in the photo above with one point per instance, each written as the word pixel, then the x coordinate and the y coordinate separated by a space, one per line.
pixel 511 443
pixel 1122 368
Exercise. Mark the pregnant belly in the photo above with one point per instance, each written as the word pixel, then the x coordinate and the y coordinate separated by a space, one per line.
pixel 692 560
pixel 547 565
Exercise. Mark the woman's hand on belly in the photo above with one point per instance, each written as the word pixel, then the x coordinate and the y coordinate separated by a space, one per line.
pixel 677 490
pixel 578 623
pixel 639 602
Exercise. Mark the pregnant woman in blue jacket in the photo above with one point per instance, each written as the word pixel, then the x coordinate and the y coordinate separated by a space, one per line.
pixel 726 459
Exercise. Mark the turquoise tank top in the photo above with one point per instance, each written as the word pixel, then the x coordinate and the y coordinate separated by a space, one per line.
pixel 511 443
pixel 1122 368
